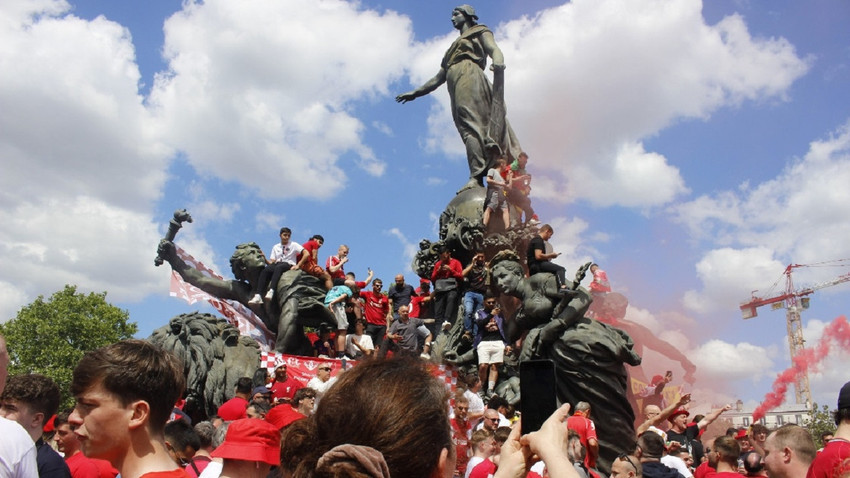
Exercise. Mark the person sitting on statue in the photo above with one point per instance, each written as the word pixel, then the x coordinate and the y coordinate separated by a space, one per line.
pixel 541 261
pixel 324 345
pixel 497 196
pixel 284 255
pixel 308 261
pixel 600 284
pixel 335 264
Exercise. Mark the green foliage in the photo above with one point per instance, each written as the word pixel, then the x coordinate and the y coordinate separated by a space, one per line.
pixel 50 336
pixel 818 422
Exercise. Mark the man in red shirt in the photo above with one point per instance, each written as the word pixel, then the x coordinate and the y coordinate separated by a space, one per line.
pixel 461 433
pixel 724 457
pixel 308 261
pixel 283 387
pixel 830 463
pixel 789 452
pixel 80 465
pixel 376 308
pixel 236 407
pixel 581 423
pixel 125 393
pixel 446 277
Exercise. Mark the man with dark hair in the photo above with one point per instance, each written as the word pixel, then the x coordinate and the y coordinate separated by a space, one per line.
pixel 723 457
pixel 541 261
pixel 789 451
pixel 490 343
pixel 17 451
pixel 650 448
pixel 838 449
pixel 309 261
pixel 446 276
pixel 758 434
pixel 236 407
pixel 283 386
pixel 376 309
pixel 284 255
pixel 125 393
pixel 181 441
pixel 30 400
pixel 80 465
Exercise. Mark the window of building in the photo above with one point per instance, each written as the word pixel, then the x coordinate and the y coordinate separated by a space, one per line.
pixel 746 421
pixel 780 420
pixel 798 419
pixel 762 421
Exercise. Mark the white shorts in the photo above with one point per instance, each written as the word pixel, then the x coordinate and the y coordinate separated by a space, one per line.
pixel 491 352
pixel 341 318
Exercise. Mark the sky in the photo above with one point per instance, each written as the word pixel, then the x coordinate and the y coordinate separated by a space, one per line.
pixel 692 150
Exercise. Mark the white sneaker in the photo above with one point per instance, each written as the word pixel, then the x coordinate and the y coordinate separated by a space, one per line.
pixel 270 294
pixel 256 300
pixel 425 356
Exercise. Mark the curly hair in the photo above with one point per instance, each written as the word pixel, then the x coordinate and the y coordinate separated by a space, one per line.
pixel 403 414
pixel 39 393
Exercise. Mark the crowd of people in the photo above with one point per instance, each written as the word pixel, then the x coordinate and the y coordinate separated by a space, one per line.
pixel 382 418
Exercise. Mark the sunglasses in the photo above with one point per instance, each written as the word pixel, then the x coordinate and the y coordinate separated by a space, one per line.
pixel 326 369
pixel 628 460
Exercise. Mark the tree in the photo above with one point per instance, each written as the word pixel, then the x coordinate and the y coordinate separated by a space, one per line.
pixel 818 422
pixel 50 336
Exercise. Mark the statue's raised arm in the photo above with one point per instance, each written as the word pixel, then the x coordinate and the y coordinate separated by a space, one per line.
pixel 247 262
pixel 477 106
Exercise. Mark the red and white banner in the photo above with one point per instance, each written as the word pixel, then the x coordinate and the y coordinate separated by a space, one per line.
pixel 304 368
pixel 234 312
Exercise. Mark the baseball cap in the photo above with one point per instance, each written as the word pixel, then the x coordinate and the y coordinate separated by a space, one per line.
pixel 250 439
pixel 678 411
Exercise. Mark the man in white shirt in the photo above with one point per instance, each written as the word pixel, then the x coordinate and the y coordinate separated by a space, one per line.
pixel 17 450
pixel 284 255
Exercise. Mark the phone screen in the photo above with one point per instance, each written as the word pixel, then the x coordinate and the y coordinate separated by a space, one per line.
pixel 538 398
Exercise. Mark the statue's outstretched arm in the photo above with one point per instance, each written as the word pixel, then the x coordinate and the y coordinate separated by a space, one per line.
pixel 423 90
pixel 223 289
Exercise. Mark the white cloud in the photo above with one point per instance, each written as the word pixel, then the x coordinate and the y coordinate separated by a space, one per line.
pixel 586 82
pixel 82 161
pixel 797 217
pixel 409 248
pixel 719 361
pixel 258 94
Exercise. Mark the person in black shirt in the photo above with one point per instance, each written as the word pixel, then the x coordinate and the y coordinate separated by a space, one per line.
pixel 541 261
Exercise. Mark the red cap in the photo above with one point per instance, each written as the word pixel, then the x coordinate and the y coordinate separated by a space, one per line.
pixel 678 411
pixel 50 425
pixel 281 416
pixel 742 433
pixel 250 439
pixel 656 379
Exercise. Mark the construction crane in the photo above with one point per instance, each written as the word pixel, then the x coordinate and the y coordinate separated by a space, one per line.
pixel 793 301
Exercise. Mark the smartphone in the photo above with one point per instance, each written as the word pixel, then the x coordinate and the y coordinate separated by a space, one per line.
pixel 538 400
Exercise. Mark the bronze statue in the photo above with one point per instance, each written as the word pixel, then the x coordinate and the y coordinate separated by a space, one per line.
pixel 299 299
pixel 589 356
pixel 478 108
pixel 214 356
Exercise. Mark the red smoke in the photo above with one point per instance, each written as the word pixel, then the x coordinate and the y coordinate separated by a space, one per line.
pixel 807 359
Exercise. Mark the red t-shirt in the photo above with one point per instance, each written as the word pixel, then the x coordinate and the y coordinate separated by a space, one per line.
pixel 82 466
pixel 309 247
pixel 178 473
pixel 332 261
pixel 485 469
pixel 460 438
pixel 233 409
pixel 455 270
pixel 723 474
pixel 586 430
pixel 830 462
pixel 375 306
pixel 285 389
pixel 703 470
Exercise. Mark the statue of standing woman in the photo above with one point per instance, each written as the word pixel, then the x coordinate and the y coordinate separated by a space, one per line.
pixel 478 109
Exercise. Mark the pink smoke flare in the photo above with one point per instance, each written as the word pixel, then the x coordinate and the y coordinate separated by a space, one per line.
pixel 808 359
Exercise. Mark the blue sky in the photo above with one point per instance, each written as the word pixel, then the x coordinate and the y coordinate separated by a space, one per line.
pixel 692 150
